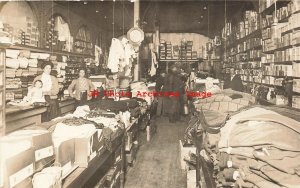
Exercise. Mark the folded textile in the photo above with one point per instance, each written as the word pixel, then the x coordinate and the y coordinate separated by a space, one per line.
pixel 12 63
pixel 12 53
pixel 66 131
pixel 284 179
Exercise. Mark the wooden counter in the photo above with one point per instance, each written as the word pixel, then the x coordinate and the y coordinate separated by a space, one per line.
pixel 19 117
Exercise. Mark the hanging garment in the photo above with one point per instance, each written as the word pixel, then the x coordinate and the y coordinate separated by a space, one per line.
pixel 153 63
pixel 116 55
pixel 63 29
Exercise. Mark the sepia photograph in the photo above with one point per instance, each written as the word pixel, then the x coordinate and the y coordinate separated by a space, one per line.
pixel 150 94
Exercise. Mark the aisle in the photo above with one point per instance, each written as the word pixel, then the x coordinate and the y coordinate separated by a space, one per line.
pixel 157 164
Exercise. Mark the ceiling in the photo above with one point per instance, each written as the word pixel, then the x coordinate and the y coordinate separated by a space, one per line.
pixel 206 17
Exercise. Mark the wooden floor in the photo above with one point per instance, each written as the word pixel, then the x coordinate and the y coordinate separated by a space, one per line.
pixel 157 164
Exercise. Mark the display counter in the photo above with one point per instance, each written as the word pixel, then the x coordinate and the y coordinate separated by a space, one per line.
pixel 66 105
pixel 19 117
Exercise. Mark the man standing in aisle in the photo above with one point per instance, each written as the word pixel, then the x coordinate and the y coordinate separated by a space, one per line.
pixel 159 87
pixel 173 83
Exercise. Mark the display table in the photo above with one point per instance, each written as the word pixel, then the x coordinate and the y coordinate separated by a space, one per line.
pixel 19 117
pixel 80 177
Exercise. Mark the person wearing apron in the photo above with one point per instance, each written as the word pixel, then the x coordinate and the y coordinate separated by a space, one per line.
pixel 50 90
pixel 80 88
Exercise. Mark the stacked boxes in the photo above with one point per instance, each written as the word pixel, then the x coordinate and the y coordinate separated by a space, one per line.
pixel 52 36
pixel 296 102
pixel 162 50
pixel 168 50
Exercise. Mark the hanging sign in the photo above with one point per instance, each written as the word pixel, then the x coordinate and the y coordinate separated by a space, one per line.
pixel 135 35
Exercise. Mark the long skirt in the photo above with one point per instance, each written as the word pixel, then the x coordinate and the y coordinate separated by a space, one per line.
pixel 53 109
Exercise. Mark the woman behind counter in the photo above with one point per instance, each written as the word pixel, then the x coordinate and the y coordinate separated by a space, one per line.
pixel 82 86
pixel 50 90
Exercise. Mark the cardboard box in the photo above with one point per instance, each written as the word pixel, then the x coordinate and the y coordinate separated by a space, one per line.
pixel 17 170
pixel 64 150
pixel 42 145
pixel 84 150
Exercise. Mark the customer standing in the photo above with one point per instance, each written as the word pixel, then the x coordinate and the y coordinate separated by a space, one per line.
pixel 50 90
pixel 82 87
pixel 159 87
pixel 173 83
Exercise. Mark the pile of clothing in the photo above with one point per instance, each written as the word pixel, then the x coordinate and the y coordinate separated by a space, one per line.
pixel 226 101
pixel 255 147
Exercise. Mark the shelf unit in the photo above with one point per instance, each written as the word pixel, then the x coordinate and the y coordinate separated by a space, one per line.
pixel 166 61
pixel 279 47
pixel 2 89
pixel 73 60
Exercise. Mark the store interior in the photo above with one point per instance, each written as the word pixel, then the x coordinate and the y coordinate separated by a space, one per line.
pixel 150 94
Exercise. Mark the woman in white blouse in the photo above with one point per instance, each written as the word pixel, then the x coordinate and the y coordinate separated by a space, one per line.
pixel 50 90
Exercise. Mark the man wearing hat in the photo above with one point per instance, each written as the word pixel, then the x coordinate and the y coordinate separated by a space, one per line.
pixel 50 90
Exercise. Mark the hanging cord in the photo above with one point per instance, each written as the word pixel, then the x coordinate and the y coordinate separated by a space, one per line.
pixel 113 19
pixel 225 30
pixel 123 18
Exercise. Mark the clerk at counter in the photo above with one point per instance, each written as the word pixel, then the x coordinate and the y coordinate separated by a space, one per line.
pixel 82 87
pixel 50 90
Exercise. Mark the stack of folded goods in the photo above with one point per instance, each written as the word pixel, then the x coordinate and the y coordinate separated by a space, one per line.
pixel 33 63
pixel 248 153
pixel 13 83
pixel 10 73
pixel 226 101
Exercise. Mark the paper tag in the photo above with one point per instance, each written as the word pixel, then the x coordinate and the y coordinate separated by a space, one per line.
pixel 93 155
pixel 20 175
pixel 43 153
pixel 66 168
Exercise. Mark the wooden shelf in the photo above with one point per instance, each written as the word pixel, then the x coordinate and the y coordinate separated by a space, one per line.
pixel 48 51
pixel 254 34
pixel 269 10
pixel 179 60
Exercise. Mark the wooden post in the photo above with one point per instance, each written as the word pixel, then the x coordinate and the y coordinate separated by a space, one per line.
pixel 136 19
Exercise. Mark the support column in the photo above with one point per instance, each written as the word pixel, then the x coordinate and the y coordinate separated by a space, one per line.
pixel 136 18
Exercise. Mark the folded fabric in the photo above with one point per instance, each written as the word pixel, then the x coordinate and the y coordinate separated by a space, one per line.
pixel 285 161
pixel 232 123
pixel 284 179
pixel 23 62
pixel 288 122
pixel 12 53
pixel 12 63
pixel 256 133
pixel 66 131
